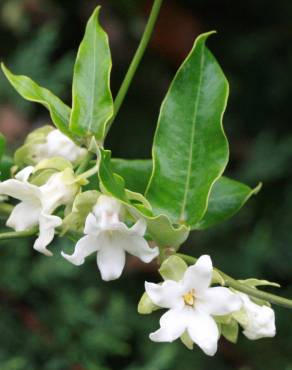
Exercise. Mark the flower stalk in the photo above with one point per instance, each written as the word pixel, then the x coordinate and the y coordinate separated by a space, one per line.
pixel 18 234
pixel 136 59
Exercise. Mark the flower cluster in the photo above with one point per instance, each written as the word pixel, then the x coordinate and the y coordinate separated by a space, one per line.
pixel 68 184
pixel 197 312
pixel 104 229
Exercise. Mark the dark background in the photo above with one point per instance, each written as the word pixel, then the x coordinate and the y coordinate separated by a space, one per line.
pixel 54 316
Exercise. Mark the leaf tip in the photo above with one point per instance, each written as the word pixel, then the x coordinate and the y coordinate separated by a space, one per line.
pixel 258 188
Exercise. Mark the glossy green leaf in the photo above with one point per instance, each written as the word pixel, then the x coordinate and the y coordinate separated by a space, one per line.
pixel 226 198
pixel 135 172
pixel 92 100
pixel 30 90
pixel 159 227
pixel 190 149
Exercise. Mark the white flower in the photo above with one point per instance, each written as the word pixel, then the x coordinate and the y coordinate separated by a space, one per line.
pixel 111 238
pixel 38 203
pixel 257 321
pixel 192 303
pixel 59 145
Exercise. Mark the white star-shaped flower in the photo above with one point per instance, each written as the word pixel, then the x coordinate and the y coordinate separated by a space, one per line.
pixel 111 238
pixel 192 303
pixel 58 145
pixel 38 203
pixel 257 321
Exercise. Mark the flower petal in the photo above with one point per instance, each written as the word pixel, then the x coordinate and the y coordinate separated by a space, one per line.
pixel 24 216
pixel 199 275
pixel 172 325
pixel 84 247
pixel 20 190
pixel 139 228
pixel 48 223
pixel 137 246
pixel 218 301
pixel 203 331
pixel 111 258
pixel 260 319
pixel 24 174
pixel 168 295
pixel 91 225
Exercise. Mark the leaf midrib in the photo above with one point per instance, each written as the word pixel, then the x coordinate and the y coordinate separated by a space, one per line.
pixel 93 87
pixel 190 159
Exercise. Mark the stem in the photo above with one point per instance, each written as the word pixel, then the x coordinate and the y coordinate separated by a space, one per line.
pixel 232 283
pixel 18 234
pixel 84 164
pixel 136 60
pixel 5 208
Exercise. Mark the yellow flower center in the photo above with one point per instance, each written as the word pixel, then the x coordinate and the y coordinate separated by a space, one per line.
pixel 189 298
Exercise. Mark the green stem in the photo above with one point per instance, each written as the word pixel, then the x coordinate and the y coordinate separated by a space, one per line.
pixel 18 234
pixel 92 171
pixel 136 60
pixel 6 208
pixel 84 164
pixel 232 283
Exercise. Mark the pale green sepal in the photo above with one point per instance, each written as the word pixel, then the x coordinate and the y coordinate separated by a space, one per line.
pixel 190 149
pixel 257 282
pixel 146 306
pixel 40 177
pixel 225 319
pixel 173 268
pixel 230 331
pixel 82 206
pixel 241 317
pixel 39 134
pixel 92 103
pixel 226 199
pixel 187 341
pixel 30 90
pixel 55 163
pixel 25 154
pixel 159 227
pixel 217 278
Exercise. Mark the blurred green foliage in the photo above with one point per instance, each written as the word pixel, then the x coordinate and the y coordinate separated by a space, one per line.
pixel 55 316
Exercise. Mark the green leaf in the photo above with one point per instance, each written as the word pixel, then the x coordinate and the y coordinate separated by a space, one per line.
pixel 190 149
pixel 30 90
pixel 135 172
pixel 2 145
pixel 173 268
pixel 5 162
pixel 92 105
pixel 226 198
pixel 159 227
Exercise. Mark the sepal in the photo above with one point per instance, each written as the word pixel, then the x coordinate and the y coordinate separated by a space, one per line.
pixel 82 206
pixel 146 306
pixel 173 268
